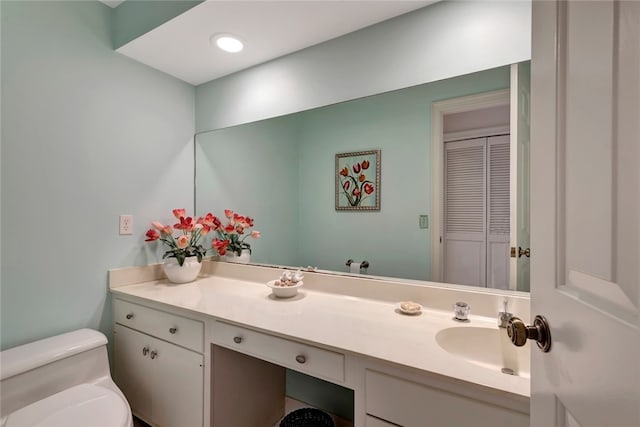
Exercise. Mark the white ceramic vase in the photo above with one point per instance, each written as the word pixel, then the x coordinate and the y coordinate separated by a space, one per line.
pixel 185 273
pixel 243 258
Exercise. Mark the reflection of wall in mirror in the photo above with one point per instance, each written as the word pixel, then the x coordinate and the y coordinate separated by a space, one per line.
pixel 281 172
pixel 443 40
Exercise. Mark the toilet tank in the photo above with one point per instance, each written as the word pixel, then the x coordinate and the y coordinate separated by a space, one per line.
pixel 33 371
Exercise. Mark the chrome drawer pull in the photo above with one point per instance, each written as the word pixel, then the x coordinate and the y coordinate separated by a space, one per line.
pixel 237 340
pixel 145 351
pixel 173 330
pixel 153 354
pixel 301 359
pixel 130 316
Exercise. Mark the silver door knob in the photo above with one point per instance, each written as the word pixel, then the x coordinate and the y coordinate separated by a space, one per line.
pixel 173 330
pixel 153 354
pixel 539 332
pixel 237 340
pixel 301 359
pixel 130 316
pixel 145 351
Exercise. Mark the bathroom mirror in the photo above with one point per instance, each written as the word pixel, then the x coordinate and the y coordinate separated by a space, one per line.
pixel 282 173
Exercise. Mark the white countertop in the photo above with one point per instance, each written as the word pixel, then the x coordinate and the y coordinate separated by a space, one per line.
pixel 351 323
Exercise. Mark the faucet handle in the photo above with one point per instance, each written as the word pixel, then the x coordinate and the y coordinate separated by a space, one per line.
pixel 504 316
pixel 503 319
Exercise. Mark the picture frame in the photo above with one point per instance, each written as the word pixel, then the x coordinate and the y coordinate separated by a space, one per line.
pixel 357 178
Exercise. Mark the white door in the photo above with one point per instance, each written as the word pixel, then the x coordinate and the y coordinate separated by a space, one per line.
pixel 476 212
pixel 132 371
pixel 177 386
pixel 585 94
pixel 465 217
pixel 498 212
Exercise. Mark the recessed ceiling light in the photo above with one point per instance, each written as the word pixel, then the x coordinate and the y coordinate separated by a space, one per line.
pixel 227 42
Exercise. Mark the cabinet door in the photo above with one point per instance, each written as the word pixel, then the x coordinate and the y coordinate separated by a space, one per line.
pixel 132 370
pixel 377 422
pixel 178 384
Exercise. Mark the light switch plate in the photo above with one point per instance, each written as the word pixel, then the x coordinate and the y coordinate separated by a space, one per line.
pixel 423 221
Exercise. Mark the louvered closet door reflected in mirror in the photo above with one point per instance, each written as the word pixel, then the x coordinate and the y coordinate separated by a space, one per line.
pixel 476 212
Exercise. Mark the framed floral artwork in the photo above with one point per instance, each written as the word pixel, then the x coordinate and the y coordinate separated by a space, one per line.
pixel 358 181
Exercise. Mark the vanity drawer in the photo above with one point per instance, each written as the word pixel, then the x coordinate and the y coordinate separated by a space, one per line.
pixel 377 422
pixel 176 329
pixel 410 404
pixel 291 354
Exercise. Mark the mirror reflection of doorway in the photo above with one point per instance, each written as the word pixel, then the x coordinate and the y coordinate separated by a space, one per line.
pixel 476 210
pixel 488 114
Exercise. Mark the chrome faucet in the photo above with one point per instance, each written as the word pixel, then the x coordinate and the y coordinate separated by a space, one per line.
pixel 504 316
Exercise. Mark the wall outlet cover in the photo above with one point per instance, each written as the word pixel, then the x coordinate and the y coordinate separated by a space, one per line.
pixel 126 224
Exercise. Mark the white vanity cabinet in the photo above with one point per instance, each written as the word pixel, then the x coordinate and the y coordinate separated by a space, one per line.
pixel 398 401
pixel 215 353
pixel 159 364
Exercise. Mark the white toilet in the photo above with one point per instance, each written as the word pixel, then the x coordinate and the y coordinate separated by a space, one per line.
pixel 62 381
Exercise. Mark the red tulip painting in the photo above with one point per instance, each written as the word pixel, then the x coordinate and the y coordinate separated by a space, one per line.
pixel 358 180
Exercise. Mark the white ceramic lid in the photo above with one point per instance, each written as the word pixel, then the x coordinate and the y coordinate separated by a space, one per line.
pixel 29 356
pixel 81 406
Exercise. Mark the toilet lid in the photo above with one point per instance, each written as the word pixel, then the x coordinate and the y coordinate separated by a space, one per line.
pixel 81 406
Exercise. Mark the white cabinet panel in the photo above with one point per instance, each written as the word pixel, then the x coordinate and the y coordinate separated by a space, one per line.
pixel 410 404
pixel 377 422
pixel 132 371
pixel 295 355
pixel 179 330
pixel 177 386
pixel 163 382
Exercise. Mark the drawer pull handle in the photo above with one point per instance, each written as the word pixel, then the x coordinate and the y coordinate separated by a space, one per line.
pixel 153 354
pixel 301 359
pixel 130 316
pixel 173 330
pixel 237 340
pixel 145 351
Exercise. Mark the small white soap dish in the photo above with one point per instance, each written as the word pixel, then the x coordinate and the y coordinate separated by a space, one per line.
pixel 409 307
pixel 280 290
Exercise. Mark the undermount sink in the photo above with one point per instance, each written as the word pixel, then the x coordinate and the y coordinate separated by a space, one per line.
pixel 489 348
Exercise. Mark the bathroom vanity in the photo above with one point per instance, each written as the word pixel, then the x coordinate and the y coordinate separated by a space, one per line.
pixel 214 352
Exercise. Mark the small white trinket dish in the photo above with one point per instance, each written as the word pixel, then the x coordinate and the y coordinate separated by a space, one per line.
pixel 284 291
pixel 409 307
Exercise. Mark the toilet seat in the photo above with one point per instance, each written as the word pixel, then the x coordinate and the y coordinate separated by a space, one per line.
pixel 82 405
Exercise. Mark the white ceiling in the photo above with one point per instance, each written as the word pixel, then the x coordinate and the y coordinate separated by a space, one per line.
pixel 269 29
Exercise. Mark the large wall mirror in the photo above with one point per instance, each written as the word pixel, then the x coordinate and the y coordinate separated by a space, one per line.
pixel 282 173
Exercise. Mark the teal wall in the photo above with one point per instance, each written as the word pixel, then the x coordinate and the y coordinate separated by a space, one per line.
pixel 281 172
pixel 87 135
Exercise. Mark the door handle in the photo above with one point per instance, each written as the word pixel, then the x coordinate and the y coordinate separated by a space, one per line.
pixel 539 332
pixel 520 252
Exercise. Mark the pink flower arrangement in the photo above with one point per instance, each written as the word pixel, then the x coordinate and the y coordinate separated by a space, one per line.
pixel 232 235
pixel 186 243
